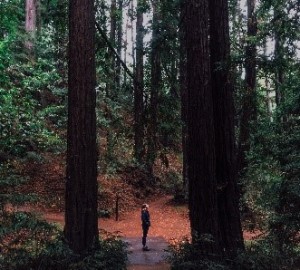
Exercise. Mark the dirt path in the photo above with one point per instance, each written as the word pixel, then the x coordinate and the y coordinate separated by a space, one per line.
pixel 169 223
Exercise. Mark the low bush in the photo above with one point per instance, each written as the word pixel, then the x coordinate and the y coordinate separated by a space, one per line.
pixel 259 255
pixel 31 244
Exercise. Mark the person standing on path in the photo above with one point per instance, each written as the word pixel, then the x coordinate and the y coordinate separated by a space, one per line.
pixel 145 216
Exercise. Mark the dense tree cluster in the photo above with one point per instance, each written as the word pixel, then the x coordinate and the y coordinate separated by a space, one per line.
pixel 121 83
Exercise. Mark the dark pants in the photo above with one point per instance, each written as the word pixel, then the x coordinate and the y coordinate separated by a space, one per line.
pixel 145 232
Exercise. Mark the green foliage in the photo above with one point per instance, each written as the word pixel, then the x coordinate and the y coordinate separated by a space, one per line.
pixel 114 120
pixel 185 255
pixel 9 179
pixel 273 187
pixel 172 183
pixel 26 90
pixel 264 255
pixel 259 255
pixel 29 243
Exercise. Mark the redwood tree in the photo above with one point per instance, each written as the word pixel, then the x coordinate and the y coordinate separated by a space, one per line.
pixel 183 93
pixel 139 85
pixel 119 43
pixel 227 195
pixel 81 223
pixel 249 111
pixel 200 125
pixel 30 23
pixel 155 60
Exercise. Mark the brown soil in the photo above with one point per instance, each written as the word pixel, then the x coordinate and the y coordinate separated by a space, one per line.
pixel 168 220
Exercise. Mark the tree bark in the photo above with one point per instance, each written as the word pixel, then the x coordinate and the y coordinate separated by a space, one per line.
pixel 200 147
pixel 231 239
pixel 111 82
pixel 81 223
pixel 155 60
pixel 139 86
pixel 184 101
pixel 119 42
pixel 278 55
pixel 30 23
pixel 249 105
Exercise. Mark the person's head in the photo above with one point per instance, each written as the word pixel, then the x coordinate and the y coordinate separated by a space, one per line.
pixel 145 206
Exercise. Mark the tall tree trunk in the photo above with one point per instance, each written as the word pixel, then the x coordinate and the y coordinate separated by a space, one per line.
pixel 269 99
pixel 113 23
pixel 30 23
pixel 139 86
pixel 128 26
pixel 155 60
pixel 132 35
pixel 119 42
pixel 249 105
pixel 81 223
pixel 38 16
pixel 200 148
pixel 278 55
pixel 231 239
pixel 111 82
pixel 183 92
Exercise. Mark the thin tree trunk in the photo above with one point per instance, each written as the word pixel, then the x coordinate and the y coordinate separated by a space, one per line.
pixel 38 17
pixel 278 55
pixel 249 106
pixel 269 107
pixel 139 86
pixel 231 239
pixel 155 60
pixel 126 44
pixel 111 82
pixel 132 36
pixel 201 150
pixel 81 222
pixel 184 101
pixel 30 23
pixel 119 43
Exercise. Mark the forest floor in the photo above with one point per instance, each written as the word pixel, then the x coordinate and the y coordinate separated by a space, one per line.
pixel 169 224
pixel 169 220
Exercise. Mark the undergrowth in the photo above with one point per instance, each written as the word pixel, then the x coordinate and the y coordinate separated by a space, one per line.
pixel 258 255
pixel 29 243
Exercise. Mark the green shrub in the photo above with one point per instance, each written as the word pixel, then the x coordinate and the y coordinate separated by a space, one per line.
pixel 259 255
pixel 31 244
pixel 264 255
pixel 8 180
pixel 185 255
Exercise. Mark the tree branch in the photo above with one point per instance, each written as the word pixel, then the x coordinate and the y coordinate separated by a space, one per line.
pixel 110 46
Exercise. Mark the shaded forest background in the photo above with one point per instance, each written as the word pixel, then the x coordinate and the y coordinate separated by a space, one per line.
pixel 141 94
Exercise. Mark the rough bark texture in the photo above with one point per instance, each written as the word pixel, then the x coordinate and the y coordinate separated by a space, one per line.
pixel 119 42
pixel 155 87
pixel 111 82
pixel 139 86
pixel 249 106
pixel 200 148
pixel 184 103
pixel 227 194
pixel 30 22
pixel 278 55
pixel 81 226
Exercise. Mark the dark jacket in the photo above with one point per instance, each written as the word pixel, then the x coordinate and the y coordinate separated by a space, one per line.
pixel 145 216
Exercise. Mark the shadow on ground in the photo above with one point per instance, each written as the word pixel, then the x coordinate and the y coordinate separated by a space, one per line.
pixel 144 260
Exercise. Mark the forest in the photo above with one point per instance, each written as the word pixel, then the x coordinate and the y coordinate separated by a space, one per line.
pixel 191 105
